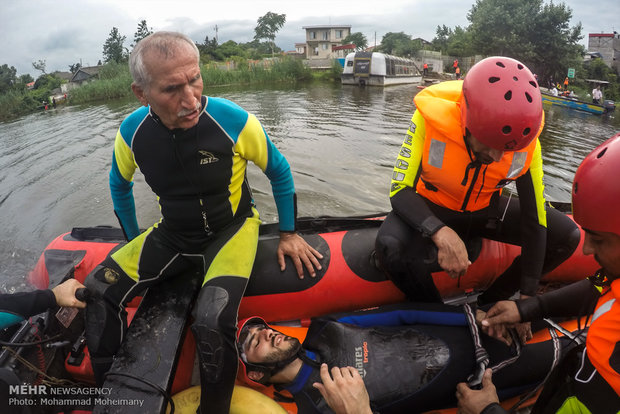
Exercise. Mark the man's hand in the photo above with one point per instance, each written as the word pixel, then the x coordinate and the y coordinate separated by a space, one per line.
pixel 451 252
pixel 346 392
pixel 474 401
pixel 499 318
pixel 65 294
pixel 293 245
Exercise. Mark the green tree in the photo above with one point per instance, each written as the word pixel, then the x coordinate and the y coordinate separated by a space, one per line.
pixel 142 32
pixel 537 34
pixel 442 39
pixel 26 78
pixel 8 77
pixel 392 41
pixel 267 27
pixel 39 65
pixel 358 39
pixel 208 49
pixel 113 49
pixel 47 83
pixel 399 44
pixel 460 43
pixel 232 48
pixel 75 67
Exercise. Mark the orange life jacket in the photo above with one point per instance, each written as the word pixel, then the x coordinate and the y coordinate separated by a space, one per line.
pixel 448 177
pixel 604 336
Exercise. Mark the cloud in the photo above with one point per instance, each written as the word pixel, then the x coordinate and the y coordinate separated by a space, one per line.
pixel 64 32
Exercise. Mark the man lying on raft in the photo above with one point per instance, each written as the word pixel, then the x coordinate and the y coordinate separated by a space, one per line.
pixel 411 356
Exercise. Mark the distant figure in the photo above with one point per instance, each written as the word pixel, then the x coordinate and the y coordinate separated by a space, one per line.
pixel 455 64
pixel 566 83
pixel 554 91
pixel 54 102
pixel 597 95
pixel 425 69
pixel 457 72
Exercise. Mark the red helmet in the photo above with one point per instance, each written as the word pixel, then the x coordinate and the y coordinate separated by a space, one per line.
pixel 503 104
pixel 596 193
pixel 267 369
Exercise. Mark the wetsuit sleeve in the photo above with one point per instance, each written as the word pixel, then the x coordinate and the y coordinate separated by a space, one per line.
pixel 121 185
pixel 406 202
pixel 493 408
pixel 533 223
pixel 18 306
pixel 560 302
pixel 254 145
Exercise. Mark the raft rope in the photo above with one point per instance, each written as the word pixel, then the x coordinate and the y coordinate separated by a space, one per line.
pixel 481 354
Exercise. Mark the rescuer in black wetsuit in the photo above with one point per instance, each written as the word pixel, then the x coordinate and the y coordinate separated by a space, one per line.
pixel 15 307
pixel 588 379
pixel 410 356
pixel 193 151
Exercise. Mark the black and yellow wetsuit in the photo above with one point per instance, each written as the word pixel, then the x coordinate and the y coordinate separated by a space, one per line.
pixel 437 182
pixel 208 222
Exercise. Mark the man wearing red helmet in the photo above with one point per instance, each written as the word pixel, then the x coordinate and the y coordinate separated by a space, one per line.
pixel 466 141
pixel 588 379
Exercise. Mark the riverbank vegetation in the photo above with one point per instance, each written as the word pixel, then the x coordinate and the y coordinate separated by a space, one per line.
pixel 536 32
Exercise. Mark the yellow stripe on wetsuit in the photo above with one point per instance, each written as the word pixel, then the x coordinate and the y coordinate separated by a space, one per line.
pixel 410 155
pixel 236 257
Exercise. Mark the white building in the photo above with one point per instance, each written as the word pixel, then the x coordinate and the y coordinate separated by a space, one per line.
pixel 320 40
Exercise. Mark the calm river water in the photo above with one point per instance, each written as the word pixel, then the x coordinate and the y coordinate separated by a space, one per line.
pixel 341 142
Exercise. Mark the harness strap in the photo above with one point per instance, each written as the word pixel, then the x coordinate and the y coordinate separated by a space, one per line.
pixel 482 357
pixel 554 363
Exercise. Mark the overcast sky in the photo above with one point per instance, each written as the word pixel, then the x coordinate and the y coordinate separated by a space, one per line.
pixel 64 32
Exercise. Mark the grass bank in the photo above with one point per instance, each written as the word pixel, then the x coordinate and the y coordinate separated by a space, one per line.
pixel 213 74
pixel 115 82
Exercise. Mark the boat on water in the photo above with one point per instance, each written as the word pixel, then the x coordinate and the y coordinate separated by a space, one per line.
pixel 574 103
pixel 158 355
pixel 378 69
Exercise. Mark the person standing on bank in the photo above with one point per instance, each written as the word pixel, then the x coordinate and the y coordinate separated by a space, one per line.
pixel 466 141
pixel 597 95
pixel 193 151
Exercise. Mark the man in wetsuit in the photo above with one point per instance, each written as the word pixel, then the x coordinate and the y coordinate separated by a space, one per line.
pixel 410 356
pixel 193 151
pixel 588 380
pixel 467 140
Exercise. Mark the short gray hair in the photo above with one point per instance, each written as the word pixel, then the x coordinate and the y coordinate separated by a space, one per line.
pixel 166 43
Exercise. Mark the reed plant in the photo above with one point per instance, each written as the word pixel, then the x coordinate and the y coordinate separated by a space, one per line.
pixel 102 89
pixel 115 82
